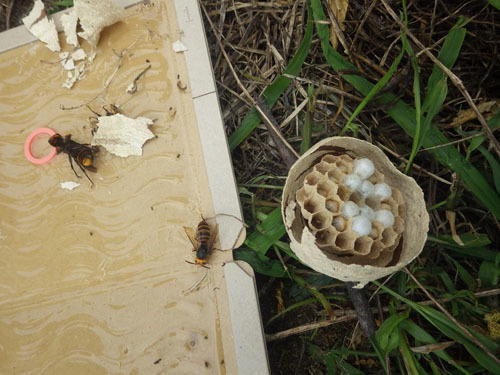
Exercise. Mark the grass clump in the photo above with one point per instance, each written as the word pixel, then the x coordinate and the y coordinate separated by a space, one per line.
pixel 438 316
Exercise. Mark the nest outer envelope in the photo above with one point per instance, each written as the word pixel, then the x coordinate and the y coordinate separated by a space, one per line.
pixel 95 16
pixel 303 242
pixel 41 27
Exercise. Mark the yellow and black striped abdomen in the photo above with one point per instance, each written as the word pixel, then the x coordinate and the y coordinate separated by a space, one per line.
pixel 203 233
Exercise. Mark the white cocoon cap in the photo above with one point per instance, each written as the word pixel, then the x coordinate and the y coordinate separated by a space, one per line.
pixel 367 212
pixel 382 191
pixel 361 225
pixel 350 209
pixel 385 217
pixel 352 181
pixel 365 189
pixel 364 168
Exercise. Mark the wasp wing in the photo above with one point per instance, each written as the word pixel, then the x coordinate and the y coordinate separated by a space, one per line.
pixel 213 236
pixel 191 235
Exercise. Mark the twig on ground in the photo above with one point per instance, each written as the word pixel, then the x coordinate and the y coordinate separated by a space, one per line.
pixel 133 87
pixel 346 315
pixel 287 150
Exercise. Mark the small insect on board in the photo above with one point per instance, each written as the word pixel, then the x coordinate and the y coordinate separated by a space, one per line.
pixel 82 154
pixel 202 241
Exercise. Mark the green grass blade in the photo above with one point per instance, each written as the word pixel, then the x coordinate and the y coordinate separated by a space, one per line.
pixel 385 331
pixel 260 263
pixel 488 274
pixel 494 165
pixel 271 230
pixel 493 124
pixel 405 116
pixel 450 329
pixel 273 91
pixel 465 275
pixel 290 308
pixel 380 353
pixel 417 141
pixel 64 3
pixel 474 245
pixel 335 363
pixel 469 240
pixel 285 247
pixel 495 3
pixel 449 52
pixel 408 356
pixel 316 293
pixel 375 89
pixel 437 87
pixel 420 335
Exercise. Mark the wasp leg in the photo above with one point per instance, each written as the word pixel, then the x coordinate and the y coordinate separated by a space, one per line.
pixel 197 264
pixel 84 171
pixel 71 163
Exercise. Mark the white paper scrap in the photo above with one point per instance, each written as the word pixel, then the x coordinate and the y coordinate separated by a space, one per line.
pixel 79 74
pixel 121 135
pixel 178 46
pixel 69 22
pixel 78 54
pixel 69 64
pixel 69 185
pixel 41 27
pixel 95 16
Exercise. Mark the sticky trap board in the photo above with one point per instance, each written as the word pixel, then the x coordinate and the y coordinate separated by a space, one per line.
pixel 94 280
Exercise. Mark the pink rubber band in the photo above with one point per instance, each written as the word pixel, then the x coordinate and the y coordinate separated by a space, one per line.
pixel 29 141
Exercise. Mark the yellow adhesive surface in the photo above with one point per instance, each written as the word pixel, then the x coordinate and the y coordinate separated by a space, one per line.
pixel 94 280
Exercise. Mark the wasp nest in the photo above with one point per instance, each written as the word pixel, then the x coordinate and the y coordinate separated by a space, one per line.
pixel 350 213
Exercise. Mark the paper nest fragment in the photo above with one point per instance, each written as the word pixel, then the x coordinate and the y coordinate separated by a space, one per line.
pixel 78 54
pixel 74 75
pixel 178 46
pixel 41 27
pixel 69 22
pixel 95 16
pixel 69 185
pixel 121 135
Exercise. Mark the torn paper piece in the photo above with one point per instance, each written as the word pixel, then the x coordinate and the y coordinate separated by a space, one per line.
pixel 122 135
pixel 69 64
pixel 78 54
pixel 69 185
pixel 178 46
pixel 95 16
pixel 41 27
pixel 92 55
pixel 78 74
pixel 69 22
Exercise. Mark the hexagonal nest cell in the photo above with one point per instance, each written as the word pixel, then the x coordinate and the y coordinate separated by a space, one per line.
pixel 321 208
pixel 350 213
